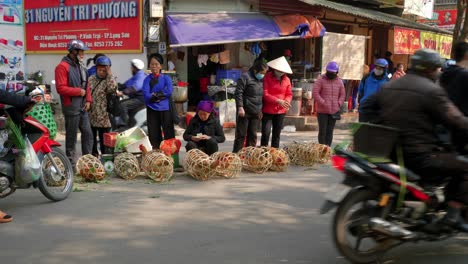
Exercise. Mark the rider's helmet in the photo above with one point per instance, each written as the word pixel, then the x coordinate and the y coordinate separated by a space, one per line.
pixel 103 61
pixel 76 44
pixel 137 63
pixel 381 63
pixel 425 60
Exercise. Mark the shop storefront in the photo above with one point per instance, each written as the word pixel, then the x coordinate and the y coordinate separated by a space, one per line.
pixel 215 60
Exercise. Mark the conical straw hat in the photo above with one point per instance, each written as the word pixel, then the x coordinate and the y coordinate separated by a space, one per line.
pixel 280 64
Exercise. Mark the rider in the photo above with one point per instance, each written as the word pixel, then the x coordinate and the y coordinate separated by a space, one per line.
pixel 20 102
pixel 133 89
pixel 414 104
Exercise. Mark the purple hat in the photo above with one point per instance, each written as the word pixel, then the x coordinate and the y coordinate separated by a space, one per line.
pixel 332 67
pixel 206 106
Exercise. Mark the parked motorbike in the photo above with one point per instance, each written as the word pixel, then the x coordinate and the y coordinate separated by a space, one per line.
pixel 56 180
pixel 378 209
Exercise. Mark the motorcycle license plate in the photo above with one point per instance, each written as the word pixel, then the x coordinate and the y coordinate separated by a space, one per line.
pixel 337 192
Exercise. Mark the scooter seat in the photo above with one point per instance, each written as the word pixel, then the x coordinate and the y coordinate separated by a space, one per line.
pixel 395 169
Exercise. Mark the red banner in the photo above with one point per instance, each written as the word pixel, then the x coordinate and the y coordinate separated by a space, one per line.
pixel 407 41
pixel 104 25
pixel 446 18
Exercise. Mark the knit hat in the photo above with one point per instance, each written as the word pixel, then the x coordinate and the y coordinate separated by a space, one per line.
pixel 332 67
pixel 280 64
pixel 206 106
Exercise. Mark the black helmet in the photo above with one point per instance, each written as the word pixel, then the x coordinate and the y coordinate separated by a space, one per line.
pixel 425 59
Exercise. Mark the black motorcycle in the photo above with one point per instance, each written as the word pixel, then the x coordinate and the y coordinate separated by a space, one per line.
pixel 381 205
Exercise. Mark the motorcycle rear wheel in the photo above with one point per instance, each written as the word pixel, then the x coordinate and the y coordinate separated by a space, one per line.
pixel 52 186
pixel 355 223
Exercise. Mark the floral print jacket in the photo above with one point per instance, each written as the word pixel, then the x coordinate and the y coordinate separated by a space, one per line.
pixel 100 88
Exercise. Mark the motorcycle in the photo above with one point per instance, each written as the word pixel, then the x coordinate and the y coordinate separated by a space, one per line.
pixel 380 206
pixel 56 180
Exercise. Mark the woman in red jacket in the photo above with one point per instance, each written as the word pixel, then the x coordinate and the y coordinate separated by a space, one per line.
pixel 277 96
pixel 329 93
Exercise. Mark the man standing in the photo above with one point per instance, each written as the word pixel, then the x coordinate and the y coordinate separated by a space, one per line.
pixel 372 83
pixel 72 85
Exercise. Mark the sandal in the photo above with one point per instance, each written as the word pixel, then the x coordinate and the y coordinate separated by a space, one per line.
pixel 5 218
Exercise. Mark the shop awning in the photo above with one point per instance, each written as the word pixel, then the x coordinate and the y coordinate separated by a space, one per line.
pixel 373 15
pixel 197 29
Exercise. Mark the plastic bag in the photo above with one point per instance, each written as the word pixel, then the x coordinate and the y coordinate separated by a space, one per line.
pixel 27 166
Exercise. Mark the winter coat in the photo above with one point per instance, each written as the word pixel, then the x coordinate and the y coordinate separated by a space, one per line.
pixel 164 85
pixel 415 105
pixel 134 86
pixel 329 95
pixel 274 89
pixel 210 127
pixel 100 88
pixel 249 93
pixel 369 85
pixel 70 79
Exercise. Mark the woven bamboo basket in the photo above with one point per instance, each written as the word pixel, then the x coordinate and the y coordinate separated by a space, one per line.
pixel 157 165
pixel 280 159
pixel 126 166
pixel 199 165
pixel 90 168
pixel 228 164
pixel 258 160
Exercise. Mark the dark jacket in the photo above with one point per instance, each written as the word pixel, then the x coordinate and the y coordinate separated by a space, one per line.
pixel 415 105
pixel 210 127
pixel 70 79
pixel 455 81
pixel 249 93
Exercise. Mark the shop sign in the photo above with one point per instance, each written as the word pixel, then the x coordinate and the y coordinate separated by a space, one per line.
pixel 446 19
pixel 438 42
pixel 104 25
pixel 407 41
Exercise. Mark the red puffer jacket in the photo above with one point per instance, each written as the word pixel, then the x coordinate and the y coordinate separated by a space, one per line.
pixel 273 90
pixel 329 94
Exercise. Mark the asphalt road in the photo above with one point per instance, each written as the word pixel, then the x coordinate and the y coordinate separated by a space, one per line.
pixel 269 218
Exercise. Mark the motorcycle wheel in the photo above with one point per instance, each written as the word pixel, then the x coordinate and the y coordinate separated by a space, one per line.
pixel 353 221
pixel 51 185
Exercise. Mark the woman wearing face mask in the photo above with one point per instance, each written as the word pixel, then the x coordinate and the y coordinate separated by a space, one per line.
pixel 329 93
pixel 277 96
pixel 372 83
pixel 157 90
pixel 249 101
pixel 102 84
pixel 204 131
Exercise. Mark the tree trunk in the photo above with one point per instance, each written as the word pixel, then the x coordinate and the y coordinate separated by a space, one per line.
pixel 460 32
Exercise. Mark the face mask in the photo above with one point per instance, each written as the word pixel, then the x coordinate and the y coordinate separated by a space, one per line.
pixel 259 76
pixel 378 72
pixel 278 74
pixel 331 75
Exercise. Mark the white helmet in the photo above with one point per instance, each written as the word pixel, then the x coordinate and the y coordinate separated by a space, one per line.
pixel 137 63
